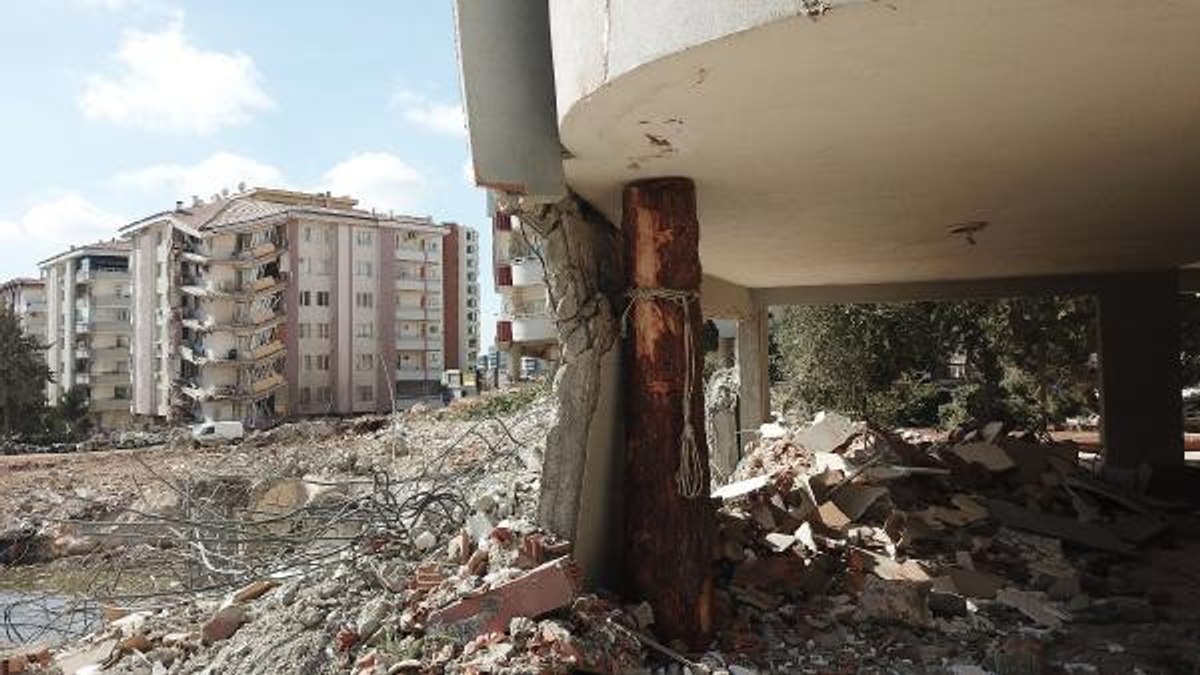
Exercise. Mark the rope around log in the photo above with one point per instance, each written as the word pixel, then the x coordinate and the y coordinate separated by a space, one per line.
pixel 689 478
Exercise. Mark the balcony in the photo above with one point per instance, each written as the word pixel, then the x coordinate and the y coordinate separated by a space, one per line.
pixel 412 313
pixel 415 254
pixel 110 326
pixel 533 329
pixel 415 284
pixel 88 276
pixel 417 343
pixel 417 374
pixel 528 272
pixel 110 377
pixel 504 276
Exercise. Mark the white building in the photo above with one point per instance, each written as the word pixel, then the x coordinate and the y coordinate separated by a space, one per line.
pixel 26 299
pixel 88 327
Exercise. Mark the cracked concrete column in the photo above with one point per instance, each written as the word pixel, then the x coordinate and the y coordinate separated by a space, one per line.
pixel 580 496
pixel 1141 408
pixel 754 403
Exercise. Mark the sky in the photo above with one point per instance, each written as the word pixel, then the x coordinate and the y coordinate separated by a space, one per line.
pixel 114 109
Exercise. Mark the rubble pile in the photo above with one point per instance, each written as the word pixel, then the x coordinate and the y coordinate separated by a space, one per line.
pixel 844 547
pixel 498 596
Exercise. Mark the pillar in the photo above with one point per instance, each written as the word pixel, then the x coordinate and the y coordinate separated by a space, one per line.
pixel 669 518
pixel 754 399
pixel 1141 409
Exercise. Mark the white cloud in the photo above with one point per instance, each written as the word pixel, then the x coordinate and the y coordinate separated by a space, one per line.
pixel 112 5
pixel 60 222
pixel 443 118
pixel 378 180
pixel 168 84
pixel 220 171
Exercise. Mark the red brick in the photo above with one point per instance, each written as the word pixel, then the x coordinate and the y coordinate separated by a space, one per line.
pixel 532 594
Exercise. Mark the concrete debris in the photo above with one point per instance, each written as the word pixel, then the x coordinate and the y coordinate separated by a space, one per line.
pixel 840 547
pixel 886 551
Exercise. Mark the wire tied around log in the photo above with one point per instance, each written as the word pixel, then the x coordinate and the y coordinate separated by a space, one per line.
pixel 689 478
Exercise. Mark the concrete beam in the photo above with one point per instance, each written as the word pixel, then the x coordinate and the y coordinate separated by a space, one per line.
pixel 720 299
pixel 1141 408
pixel 1078 284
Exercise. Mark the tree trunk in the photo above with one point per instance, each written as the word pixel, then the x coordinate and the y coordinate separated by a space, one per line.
pixel 669 522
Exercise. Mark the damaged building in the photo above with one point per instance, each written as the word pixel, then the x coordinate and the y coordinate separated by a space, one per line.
pixel 267 303
pixel 686 160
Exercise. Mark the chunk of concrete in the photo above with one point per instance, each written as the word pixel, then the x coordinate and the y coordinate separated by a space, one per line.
pixel 990 456
pixel 530 595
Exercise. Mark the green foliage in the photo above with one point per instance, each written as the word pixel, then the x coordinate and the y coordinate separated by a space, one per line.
pixel 1029 361
pixel 23 378
pixel 503 402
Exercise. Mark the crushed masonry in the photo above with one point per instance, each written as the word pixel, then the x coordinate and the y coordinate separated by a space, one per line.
pixel 866 552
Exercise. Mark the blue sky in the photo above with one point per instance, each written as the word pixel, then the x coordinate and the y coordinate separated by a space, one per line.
pixel 113 109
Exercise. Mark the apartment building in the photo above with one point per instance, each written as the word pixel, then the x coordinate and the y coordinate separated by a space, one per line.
pixel 524 330
pixel 88 313
pixel 26 298
pixel 270 303
pixel 461 264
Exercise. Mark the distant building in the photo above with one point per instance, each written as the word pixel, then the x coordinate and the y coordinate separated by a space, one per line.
pixel 270 303
pixel 461 265
pixel 88 314
pixel 26 298
pixel 524 330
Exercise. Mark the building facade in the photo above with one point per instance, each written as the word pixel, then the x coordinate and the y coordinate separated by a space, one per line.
pixel 461 264
pixel 88 314
pixel 524 330
pixel 26 299
pixel 271 303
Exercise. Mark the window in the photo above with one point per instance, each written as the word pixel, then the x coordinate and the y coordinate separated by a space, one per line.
pixel 322 362
pixel 364 237
pixel 471 302
pixel 472 289
pixel 324 394
pixel 121 392
pixel 122 314
pixel 305 392
pixel 470 248
pixel 471 329
pixel 364 299
pixel 122 341
pixel 323 267
pixel 322 298
pixel 366 393
pixel 364 330
pixel 471 276
pixel 327 234
pixel 308 361
pixel 304 330
pixel 470 316
pixel 364 361
pixel 433 329
pixel 472 342
pixel 306 298
pixel 307 233
pixel 323 331
pixel 362 268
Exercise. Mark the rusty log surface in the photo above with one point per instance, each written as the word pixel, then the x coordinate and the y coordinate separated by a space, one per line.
pixel 668 547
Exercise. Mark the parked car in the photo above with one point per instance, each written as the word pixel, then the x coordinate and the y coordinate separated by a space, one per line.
pixel 217 432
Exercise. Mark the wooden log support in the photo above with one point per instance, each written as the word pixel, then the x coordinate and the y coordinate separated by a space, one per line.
pixel 669 517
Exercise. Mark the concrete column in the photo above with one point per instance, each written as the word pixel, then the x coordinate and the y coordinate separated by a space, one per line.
pixel 514 363
pixel 754 400
pixel 1141 409
pixel 68 350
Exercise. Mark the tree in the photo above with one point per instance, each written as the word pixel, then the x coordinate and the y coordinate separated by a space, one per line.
pixel 23 378
pixel 1028 360
pixel 73 411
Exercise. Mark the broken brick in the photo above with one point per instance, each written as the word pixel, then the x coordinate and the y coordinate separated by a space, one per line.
pixel 532 594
